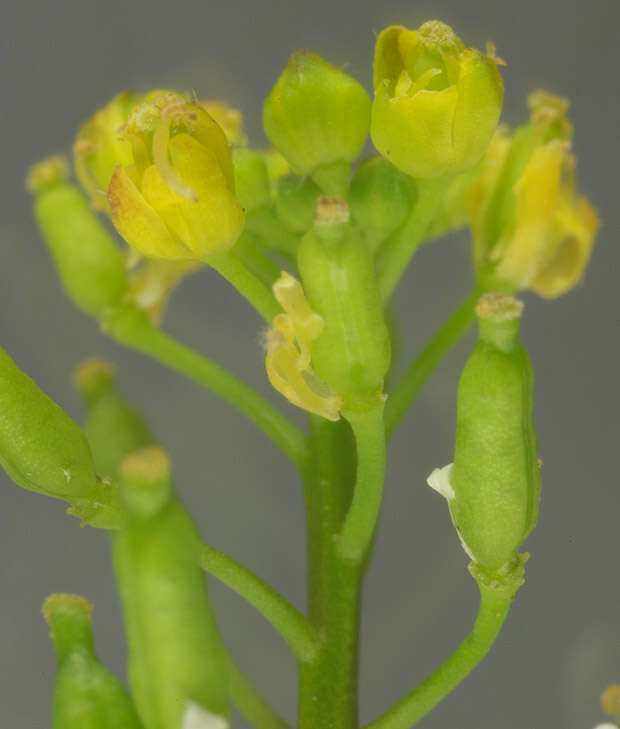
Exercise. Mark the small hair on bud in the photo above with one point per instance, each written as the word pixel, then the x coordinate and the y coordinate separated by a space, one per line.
pixel 47 172
pixel 147 465
pixel 498 307
pixel 610 700
pixel 197 717
pixel 65 602
pixel 331 210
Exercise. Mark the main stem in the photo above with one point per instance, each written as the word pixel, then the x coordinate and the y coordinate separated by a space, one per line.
pixel 328 684
pixel 342 506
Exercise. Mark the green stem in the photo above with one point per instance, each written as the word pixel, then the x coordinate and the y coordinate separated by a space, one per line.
pixel 249 701
pixel 246 283
pixel 252 255
pixel 328 683
pixel 285 618
pixel 398 250
pixel 359 526
pixel 339 547
pixel 131 327
pixel 419 371
pixel 496 595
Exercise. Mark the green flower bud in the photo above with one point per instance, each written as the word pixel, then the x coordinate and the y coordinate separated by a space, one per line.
pixel 113 428
pixel 380 199
pixel 296 202
pixel 251 178
pixel 177 666
pixel 493 488
pixel 90 264
pixel 318 117
pixel 437 103
pixel 352 353
pixel 87 695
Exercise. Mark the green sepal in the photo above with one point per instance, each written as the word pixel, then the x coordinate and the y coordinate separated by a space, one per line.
pixel 252 185
pixel 86 694
pixel 90 264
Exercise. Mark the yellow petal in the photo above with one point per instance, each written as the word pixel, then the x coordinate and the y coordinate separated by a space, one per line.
pixel 576 227
pixel 138 223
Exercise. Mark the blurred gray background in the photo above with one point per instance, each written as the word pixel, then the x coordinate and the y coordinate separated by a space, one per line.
pixel 61 60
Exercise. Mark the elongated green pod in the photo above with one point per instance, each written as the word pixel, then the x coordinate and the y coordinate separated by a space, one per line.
pixel 86 695
pixel 41 447
pixel 352 354
pixel 496 475
pixel 90 264
pixel 177 666
pixel 114 429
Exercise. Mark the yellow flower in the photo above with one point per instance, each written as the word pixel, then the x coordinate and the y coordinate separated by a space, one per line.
pixel 437 103
pixel 531 230
pixel 99 148
pixel 288 352
pixel 177 199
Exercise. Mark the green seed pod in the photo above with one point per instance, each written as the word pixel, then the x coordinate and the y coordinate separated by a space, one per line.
pixel 90 264
pixel 113 428
pixel 176 661
pixel 352 353
pixel 252 185
pixel 87 695
pixel 296 202
pixel 380 198
pixel 318 117
pixel 495 480
pixel 41 447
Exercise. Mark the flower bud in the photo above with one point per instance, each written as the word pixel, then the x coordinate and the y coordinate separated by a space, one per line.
pixel 86 694
pixel 380 199
pixel 493 488
pixel 99 147
pixel 90 264
pixel 177 200
pixel 531 230
pixel 176 656
pixel 113 428
pixel 352 352
pixel 251 178
pixel 317 116
pixel 436 102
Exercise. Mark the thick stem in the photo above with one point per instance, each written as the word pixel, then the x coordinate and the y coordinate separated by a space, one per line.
pixel 328 684
pixel 397 251
pixel 247 284
pixel 131 327
pixel 339 548
pixel 422 367
pixel 496 595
